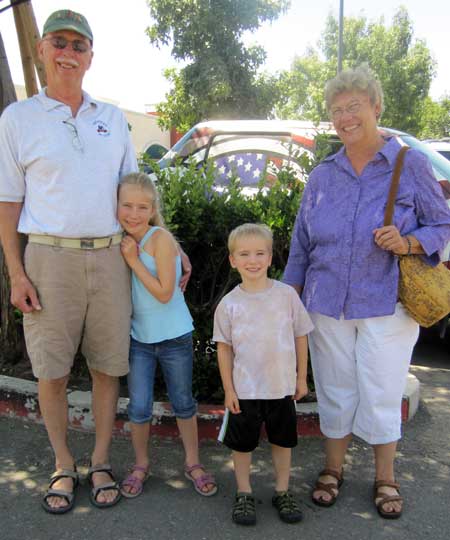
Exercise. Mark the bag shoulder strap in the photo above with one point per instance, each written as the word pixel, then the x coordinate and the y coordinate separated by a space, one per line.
pixel 389 212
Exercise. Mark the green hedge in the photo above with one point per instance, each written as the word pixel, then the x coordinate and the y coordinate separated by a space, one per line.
pixel 201 218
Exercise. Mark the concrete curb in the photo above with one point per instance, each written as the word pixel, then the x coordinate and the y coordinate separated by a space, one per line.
pixel 18 398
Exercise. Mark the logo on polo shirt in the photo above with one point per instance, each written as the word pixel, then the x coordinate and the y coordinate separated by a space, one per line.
pixel 101 128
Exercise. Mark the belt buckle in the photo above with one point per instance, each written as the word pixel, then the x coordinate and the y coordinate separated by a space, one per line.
pixel 87 243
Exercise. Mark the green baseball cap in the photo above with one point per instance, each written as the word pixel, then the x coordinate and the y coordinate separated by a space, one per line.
pixel 65 19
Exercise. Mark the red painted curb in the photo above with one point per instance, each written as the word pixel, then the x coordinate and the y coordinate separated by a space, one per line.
pixel 25 405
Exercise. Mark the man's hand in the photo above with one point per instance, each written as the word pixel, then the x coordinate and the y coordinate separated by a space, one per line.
pixel 130 250
pixel 232 402
pixel 301 389
pixel 390 239
pixel 187 270
pixel 24 295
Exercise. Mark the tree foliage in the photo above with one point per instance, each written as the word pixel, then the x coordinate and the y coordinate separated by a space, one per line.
pixel 220 78
pixel 404 66
pixel 435 121
pixel 201 218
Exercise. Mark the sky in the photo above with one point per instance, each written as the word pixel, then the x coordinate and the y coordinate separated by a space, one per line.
pixel 128 70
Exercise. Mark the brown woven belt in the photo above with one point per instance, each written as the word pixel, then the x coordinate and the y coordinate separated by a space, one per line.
pixel 75 243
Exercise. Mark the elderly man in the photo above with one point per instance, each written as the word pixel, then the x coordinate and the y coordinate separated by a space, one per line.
pixel 61 156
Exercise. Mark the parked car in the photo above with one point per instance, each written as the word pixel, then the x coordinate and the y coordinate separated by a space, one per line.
pixel 248 149
pixel 442 146
pixel 255 149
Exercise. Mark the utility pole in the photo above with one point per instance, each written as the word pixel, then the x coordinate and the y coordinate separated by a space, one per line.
pixel 7 91
pixel 341 33
pixel 28 36
pixel 25 50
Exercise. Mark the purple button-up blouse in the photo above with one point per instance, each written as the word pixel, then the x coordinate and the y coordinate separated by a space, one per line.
pixel 333 255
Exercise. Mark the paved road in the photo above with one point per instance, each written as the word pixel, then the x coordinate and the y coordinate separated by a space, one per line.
pixel 170 510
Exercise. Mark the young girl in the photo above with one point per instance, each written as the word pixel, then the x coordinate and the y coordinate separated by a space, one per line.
pixel 161 331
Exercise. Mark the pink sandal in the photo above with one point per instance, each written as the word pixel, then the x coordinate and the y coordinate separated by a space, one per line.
pixel 134 482
pixel 202 481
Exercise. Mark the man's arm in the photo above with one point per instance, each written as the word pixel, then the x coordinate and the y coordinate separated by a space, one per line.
pixel 187 269
pixel 23 294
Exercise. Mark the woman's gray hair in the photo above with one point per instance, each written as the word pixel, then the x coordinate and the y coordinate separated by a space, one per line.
pixel 359 79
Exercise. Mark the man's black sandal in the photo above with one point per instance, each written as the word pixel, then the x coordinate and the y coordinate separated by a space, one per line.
pixel 69 496
pixel 96 490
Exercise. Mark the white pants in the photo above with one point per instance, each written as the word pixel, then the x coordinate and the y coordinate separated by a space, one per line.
pixel 360 368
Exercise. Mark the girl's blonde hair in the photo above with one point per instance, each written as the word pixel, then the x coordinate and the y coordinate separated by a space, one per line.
pixel 359 79
pixel 250 229
pixel 144 182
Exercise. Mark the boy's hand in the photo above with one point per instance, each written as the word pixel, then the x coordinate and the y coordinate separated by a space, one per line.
pixel 130 250
pixel 301 389
pixel 232 402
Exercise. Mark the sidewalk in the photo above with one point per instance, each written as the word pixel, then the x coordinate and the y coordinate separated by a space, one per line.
pixel 169 509
pixel 18 399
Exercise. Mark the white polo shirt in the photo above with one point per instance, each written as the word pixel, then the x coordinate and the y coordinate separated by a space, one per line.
pixel 65 170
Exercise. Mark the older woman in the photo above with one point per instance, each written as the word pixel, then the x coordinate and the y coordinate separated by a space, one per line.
pixel 344 261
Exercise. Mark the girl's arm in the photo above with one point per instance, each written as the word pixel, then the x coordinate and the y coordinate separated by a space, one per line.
pixel 301 351
pixel 164 252
pixel 225 358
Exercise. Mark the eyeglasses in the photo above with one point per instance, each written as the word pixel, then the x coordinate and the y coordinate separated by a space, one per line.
pixel 77 143
pixel 60 42
pixel 353 108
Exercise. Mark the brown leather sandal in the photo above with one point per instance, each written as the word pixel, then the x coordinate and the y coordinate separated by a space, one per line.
pixel 385 498
pixel 321 486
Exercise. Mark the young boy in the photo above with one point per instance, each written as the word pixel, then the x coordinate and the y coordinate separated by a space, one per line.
pixel 260 328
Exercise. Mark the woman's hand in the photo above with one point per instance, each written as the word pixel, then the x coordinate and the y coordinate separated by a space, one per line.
pixel 130 250
pixel 390 239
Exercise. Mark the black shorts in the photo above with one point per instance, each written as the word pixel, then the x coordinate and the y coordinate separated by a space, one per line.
pixel 241 431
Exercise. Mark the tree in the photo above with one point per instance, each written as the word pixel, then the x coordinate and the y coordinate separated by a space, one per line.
pixel 220 78
pixel 302 88
pixel 404 66
pixel 10 335
pixel 435 118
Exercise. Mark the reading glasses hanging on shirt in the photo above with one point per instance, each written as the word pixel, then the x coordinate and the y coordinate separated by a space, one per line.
pixel 77 143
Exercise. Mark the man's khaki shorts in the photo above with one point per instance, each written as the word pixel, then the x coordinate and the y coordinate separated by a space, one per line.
pixel 85 295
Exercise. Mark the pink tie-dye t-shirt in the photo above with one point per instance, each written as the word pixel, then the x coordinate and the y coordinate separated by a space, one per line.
pixel 261 329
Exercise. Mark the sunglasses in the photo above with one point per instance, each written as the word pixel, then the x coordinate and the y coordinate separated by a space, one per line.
pixel 76 139
pixel 60 42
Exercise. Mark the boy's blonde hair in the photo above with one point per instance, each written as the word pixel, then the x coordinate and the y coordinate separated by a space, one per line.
pixel 250 229
pixel 144 182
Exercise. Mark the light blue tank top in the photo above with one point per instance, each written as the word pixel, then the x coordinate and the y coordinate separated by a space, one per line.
pixel 152 321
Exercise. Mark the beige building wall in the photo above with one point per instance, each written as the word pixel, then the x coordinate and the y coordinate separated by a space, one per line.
pixel 144 127
pixel 145 131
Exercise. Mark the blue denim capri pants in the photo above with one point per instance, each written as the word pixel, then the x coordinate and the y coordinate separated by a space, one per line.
pixel 175 357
